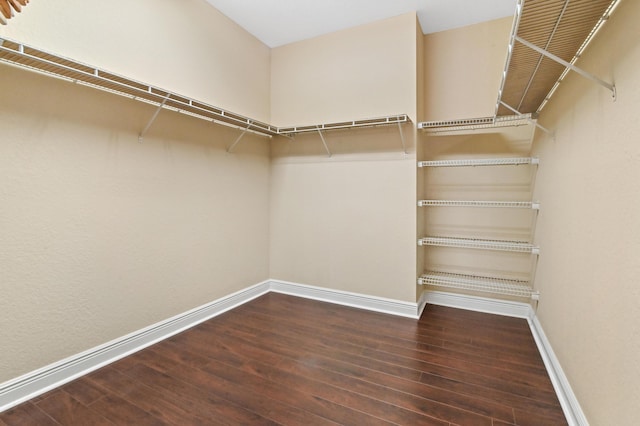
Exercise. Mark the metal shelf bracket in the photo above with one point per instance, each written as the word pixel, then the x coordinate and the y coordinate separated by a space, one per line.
pixel 569 65
pixel 404 149
pixel 244 132
pixel 326 147
pixel 153 118
pixel 527 117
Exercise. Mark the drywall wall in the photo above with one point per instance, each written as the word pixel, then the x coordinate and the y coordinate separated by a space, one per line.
pixel 362 72
pixel 185 46
pixel 101 235
pixel 588 230
pixel 346 222
pixel 464 69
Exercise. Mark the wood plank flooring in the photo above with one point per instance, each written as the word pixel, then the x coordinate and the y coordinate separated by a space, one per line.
pixel 282 360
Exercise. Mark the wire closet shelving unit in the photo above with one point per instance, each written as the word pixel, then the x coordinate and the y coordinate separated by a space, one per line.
pixel 546 42
pixel 479 283
pixel 30 58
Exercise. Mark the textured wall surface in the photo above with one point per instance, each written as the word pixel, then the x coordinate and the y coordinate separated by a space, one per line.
pixel 101 235
pixel 362 72
pixel 185 46
pixel 589 227
pixel 463 68
pixel 346 222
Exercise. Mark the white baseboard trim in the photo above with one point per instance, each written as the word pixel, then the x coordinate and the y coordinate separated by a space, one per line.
pixel 478 304
pixel 355 300
pixel 570 405
pixel 49 377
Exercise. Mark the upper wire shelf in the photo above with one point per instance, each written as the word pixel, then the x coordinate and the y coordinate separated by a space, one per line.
pixel 472 243
pixel 475 123
pixel 19 54
pixel 505 161
pixel 517 288
pixel 478 203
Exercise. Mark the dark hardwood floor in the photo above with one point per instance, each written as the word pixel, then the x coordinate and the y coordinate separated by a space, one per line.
pixel 286 360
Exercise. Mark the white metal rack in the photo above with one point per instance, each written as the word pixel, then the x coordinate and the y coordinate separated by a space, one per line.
pixel 473 243
pixel 474 203
pixel 24 56
pixel 507 161
pixel 479 283
pixel 518 288
pixel 478 123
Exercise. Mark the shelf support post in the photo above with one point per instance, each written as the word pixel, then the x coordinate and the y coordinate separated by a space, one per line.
pixel 404 149
pixel 326 147
pixel 569 65
pixel 529 119
pixel 244 132
pixel 153 118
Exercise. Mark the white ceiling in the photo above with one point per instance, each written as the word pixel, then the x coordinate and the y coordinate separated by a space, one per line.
pixel 279 22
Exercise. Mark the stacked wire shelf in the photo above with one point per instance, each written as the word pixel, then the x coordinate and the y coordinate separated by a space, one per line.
pixel 481 283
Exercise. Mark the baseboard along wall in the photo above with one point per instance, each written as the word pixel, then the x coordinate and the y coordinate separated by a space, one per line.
pixel 49 377
pixel 570 405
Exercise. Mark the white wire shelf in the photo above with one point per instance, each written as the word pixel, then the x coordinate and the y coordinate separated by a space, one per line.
pixel 474 203
pixel 518 288
pixel 475 123
pixel 370 122
pixel 24 56
pixel 497 245
pixel 505 161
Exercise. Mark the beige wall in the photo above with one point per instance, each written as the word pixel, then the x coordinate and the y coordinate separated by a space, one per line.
pixel 463 70
pixel 362 72
pixel 185 46
pixel 346 222
pixel 588 230
pixel 101 235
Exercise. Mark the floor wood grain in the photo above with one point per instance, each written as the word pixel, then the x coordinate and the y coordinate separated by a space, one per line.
pixel 282 360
